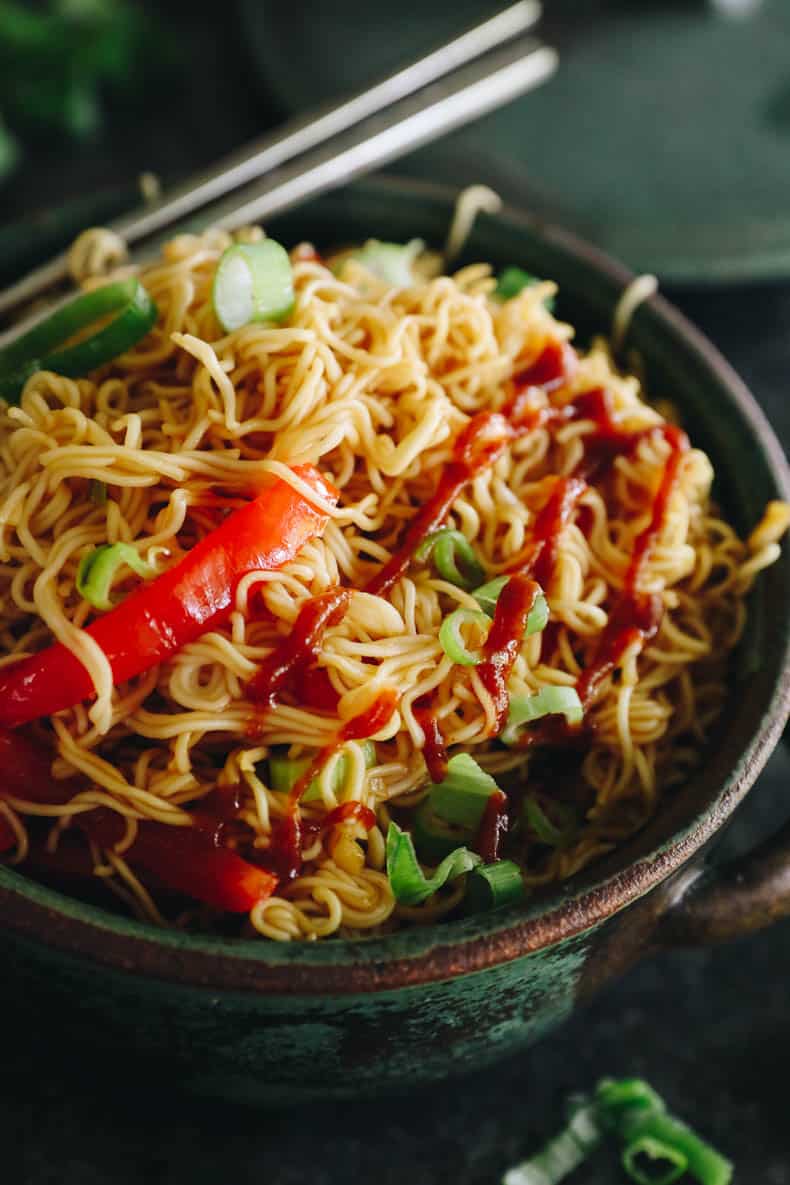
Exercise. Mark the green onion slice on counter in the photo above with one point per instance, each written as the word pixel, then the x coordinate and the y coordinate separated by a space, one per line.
pixel 663 1137
pixel 667 1163
pixel 253 282
pixel 549 701
pixel 453 556
pixel 390 262
pixel 409 883
pixel 626 1096
pixel 562 1154
pixel 131 313
pixel 487 596
pixel 492 885
pixel 657 1148
pixel 637 1115
pixel 98 569
pixel 284 772
pixel 514 280
pixel 452 640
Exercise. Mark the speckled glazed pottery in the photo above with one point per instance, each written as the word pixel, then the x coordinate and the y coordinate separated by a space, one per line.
pixel 255 1020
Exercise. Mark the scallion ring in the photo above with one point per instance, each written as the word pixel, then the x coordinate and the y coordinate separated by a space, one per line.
pixel 492 885
pixel 452 640
pixel 453 556
pixel 390 262
pixel 285 772
pixel 656 1153
pixel 98 568
pixel 672 1136
pixel 549 701
pixel 462 796
pixel 563 1153
pixel 409 884
pixel 253 282
pixel 44 347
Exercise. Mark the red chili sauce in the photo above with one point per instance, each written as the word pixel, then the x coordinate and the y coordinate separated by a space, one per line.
pixel 493 828
pixel 637 615
pixel 548 526
pixel 291 663
pixel 477 447
pixel 502 645
pixel 284 855
pixel 434 750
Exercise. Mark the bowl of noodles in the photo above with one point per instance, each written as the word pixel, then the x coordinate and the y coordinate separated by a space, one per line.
pixel 382 615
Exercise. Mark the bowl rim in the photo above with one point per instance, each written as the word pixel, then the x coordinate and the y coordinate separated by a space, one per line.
pixel 440 951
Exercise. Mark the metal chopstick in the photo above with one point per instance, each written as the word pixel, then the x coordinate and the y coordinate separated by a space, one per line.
pixel 296 137
pixel 469 93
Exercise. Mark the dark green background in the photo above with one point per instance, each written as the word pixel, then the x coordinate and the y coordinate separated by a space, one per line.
pixel 711 1030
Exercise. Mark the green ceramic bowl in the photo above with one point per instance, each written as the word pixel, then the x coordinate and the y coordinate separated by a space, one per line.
pixel 260 1021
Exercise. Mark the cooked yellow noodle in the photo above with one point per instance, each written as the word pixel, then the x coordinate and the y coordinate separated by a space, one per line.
pixel 373 384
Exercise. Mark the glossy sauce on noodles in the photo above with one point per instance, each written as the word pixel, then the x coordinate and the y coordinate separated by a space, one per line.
pixel 295 654
pixel 477 447
pixel 551 521
pixel 513 607
pixel 284 855
pixel 433 751
pixel 637 615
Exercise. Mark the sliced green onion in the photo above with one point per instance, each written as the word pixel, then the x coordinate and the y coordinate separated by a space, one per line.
pixel 97 492
pixel 633 1111
pixel 285 772
pixel 658 1153
pixel 514 280
pixel 538 616
pixel 487 596
pixel 391 262
pixel 462 797
pixel 409 883
pixel 434 837
pixel 99 568
pixel 561 1155
pixel 493 885
pixel 448 547
pixel 253 282
pixel 549 701
pixel 619 1096
pixel 43 347
pixel 546 831
pixel 702 1162
pixel 452 640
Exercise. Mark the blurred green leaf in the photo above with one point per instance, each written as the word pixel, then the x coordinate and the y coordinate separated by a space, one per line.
pixel 57 63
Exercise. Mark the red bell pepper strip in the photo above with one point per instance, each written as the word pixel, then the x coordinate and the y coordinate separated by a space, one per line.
pixel 185 860
pixel 161 617
pixel 24 773
pixel 180 858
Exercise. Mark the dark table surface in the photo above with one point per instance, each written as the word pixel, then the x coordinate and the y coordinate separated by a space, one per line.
pixel 710 1029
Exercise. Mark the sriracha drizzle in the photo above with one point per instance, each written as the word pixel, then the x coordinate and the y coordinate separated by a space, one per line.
pixel 285 851
pixel 477 447
pixel 637 615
